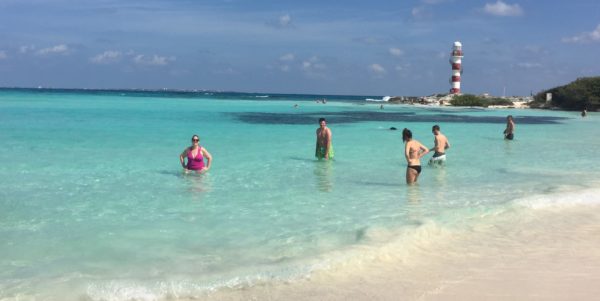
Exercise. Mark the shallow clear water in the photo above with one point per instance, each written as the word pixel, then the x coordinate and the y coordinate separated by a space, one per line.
pixel 94 204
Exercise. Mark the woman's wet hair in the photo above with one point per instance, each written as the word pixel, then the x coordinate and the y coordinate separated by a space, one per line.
pixel 196 136
pixel 406 135
pixel 322 119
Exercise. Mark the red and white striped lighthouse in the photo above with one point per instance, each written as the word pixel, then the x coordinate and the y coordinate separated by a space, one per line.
pixel 456 61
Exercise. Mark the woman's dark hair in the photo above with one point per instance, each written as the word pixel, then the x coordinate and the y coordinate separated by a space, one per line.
pixel 406 135
pixel 195 136
pixel 322 119
pixel 435 128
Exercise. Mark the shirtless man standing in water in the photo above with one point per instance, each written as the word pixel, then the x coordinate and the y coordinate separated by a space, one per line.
pixel 413 151
pixel 441 145
pixel 324 146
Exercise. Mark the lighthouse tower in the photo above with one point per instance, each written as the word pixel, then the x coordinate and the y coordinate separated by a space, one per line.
pixel 456 61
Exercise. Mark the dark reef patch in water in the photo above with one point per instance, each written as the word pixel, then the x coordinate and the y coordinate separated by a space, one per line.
pixel 358 116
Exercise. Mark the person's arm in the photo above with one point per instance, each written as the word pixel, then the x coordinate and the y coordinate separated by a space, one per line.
pixel 317 143
pixel 182 158
pixel 407 152
pixel 208 157
pixel 328 145
pixel 424 150
pixel 447 144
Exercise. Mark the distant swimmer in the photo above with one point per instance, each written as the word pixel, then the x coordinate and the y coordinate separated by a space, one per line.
pixel 195 155
pixel 584 112
pixel 441 145
pixel 510 128
pixel 324 146
pixel 295 106
pixel 381 107
pixel 413 151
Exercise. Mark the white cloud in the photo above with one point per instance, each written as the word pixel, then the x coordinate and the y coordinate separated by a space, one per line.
pixel 154 60
pixel 367 40
pixel 2 55
pixel 377 69
pixel 417 11
pixel 528 65
pixel 586 37
pixel 502 9
pixel 106 57
pixel 25 49
pixel 287 57
pixel 58 49
pixel 313 67
pixel 284 68
pixel 285 20
pixel 396 51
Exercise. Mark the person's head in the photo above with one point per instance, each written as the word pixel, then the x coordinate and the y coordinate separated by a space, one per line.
pixel 406 135
pixel 509 118
pixel 195 140
pixel 322 122
pixel 435 129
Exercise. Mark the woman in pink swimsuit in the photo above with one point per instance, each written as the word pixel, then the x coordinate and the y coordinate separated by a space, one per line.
pixel 195 155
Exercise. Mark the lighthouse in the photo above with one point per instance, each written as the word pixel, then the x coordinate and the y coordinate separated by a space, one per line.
pixel 456 61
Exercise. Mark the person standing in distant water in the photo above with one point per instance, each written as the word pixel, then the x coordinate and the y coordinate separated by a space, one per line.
pixel 324 146
pixel 413 151
pixel 195 155
pixel 584 112
pixel 441 145
pixel 510 128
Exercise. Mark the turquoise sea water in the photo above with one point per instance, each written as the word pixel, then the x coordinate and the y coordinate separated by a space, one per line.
pixel 93 203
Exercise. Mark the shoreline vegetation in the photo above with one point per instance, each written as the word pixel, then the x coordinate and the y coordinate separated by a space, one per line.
pixel 583 93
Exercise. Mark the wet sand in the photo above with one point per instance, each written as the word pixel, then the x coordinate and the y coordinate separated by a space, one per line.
pixel 547 254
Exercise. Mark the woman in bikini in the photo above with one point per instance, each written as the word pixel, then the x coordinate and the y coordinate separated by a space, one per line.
pixel 413 151
pixel 195 155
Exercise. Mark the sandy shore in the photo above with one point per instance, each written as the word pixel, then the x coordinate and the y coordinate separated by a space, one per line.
pixel 548 254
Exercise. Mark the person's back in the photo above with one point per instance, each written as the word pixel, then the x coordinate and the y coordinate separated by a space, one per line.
pixel 441 144
pixel 413 151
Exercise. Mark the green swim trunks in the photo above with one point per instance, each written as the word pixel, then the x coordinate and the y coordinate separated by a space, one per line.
pixel 320 153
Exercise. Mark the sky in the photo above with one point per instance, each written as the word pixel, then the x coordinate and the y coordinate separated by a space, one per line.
pixel 351 47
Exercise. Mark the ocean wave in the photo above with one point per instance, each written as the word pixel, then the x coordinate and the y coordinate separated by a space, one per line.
pixel 385 98
pixel 569 198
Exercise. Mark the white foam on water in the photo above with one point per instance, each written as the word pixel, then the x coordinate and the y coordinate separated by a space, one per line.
pixel 570 198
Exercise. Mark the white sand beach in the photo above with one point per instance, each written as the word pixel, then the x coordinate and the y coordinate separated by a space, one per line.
pixel 549 254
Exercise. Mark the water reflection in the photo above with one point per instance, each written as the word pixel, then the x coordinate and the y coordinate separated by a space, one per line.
pixel 197 183
pixel 414 206
pixel 323 175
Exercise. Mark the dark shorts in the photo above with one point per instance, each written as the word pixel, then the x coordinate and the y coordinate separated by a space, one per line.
pixel 438 154
pixel 509 136
pixel 416 167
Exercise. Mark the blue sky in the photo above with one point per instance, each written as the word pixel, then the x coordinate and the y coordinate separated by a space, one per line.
pixel 335 47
